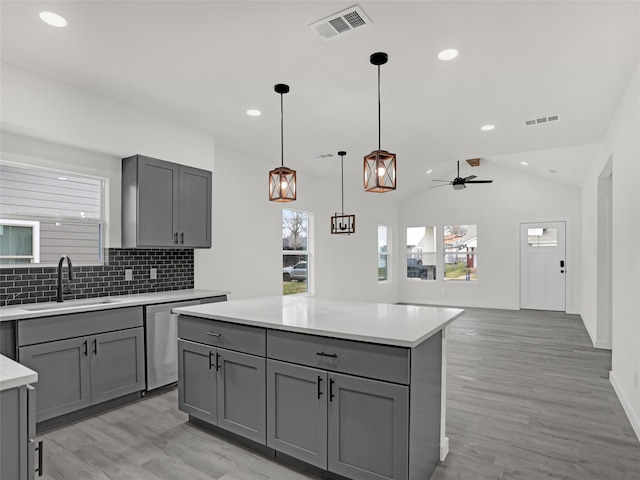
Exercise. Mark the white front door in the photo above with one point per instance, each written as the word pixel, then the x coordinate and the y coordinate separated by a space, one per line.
pixel 542 266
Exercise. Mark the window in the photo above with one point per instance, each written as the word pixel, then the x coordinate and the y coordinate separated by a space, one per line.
pixel 295 252
pixel 542 237
pixel 383 253
pixel 46 214
pixel 460 253
pixel 421 253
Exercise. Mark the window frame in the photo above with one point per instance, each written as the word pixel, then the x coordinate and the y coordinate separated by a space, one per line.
pixel 387 254
pixel 35 239
pixel 420 253
pixel 307 252
pixel 467 253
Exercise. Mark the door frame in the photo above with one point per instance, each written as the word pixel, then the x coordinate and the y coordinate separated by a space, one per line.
pixel 572 267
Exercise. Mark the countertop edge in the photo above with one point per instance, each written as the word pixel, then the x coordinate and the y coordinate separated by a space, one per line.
pixel 14 374
pixel 18 312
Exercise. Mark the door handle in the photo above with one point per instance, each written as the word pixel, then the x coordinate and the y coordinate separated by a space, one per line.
pixel 210 356
pixel 86 348
pixel 319 389
pixel 331 395
pixel 40 453
pixel 561 263
pixel 95 346
pixel 217 361
pixel 175 238
pixel 182 238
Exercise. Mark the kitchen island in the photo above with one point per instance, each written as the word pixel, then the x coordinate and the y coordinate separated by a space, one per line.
pixel 344 389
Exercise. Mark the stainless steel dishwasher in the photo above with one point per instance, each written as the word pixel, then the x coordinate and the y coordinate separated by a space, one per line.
pixel 161 338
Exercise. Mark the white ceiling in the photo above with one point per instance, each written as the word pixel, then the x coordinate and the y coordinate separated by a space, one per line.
pixel 206 62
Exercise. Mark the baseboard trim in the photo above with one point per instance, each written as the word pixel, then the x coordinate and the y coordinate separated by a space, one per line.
pixel 444 449
pixel 626 405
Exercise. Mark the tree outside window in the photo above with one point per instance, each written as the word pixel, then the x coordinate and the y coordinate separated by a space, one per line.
pixel 460 253
pixel 295 252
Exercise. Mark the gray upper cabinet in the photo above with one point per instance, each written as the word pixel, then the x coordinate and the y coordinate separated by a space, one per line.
pixel 165 204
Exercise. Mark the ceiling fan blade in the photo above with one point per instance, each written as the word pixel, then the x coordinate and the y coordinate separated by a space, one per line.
pixel 479 181
pixel 434 180
pixel 470 177
pixel 441 185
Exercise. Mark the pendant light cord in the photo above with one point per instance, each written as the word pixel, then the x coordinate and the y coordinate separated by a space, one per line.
pixel 379 114
pixel 281 131
pixel 342 178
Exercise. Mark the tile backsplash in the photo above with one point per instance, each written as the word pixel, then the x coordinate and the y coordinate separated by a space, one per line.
pixel 38 284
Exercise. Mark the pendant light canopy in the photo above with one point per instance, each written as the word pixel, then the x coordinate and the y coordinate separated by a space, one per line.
pixel 282 180
pixel 379 165
pixel 343 223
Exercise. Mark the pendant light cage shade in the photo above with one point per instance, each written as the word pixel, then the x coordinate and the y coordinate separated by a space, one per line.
pixel 282 185
pixel 380 171
pixel 282 180
pixel 341 223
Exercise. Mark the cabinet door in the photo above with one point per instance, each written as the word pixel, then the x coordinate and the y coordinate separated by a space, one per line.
pixel 117 364
pixel 241 394
pixel 297 414
pixel 368 428
pixel 194 207
pixel 197 381
pixel 63 376
pixel 157 216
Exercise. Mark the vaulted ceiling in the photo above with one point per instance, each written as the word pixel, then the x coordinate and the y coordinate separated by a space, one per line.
pixel 206 63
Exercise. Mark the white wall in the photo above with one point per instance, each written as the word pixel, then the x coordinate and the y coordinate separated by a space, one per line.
pixel 622 146
pixel 247 236
pixel 497 209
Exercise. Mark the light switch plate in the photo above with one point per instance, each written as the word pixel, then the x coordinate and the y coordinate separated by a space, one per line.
pixel 128 274
pixel 153 273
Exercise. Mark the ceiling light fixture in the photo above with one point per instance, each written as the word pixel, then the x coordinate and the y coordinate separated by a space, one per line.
pixel 448 54
pixel 379 165
pixel 282 180
pixel 430 171
pixel 343 223
pixel 524 163
pixel 486 128
pixel 254 113
pixel 53 19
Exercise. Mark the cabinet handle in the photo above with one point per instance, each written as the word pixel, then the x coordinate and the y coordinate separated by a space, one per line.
pixel 319 389
pixel 86 348
pixel 182 238
pixel 95 346
pixel 210 356
pixel 214 334
pixel 331 395
pixel 217 361
pixel 39 448
pixel 322 354
pixel 175 238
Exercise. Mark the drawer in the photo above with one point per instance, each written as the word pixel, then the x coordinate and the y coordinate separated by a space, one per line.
pixel 241 338
pixel 380 362
pixel 59 327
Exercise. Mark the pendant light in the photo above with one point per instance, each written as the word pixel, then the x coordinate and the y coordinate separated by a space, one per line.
pixel 379 165
pixel 343 223
pixel 282 180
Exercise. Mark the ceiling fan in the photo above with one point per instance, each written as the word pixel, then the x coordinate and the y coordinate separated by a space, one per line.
pixel 459 183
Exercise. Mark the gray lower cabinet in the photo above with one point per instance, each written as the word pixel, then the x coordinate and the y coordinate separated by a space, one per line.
pixel 348 425
pixel 17 435
pixel 223 388
pixel 79 372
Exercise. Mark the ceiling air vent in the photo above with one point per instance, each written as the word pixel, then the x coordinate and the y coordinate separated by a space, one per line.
pixel 341 22
pixel 539 120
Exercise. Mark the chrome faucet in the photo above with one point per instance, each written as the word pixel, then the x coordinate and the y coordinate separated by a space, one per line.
pixel 62 291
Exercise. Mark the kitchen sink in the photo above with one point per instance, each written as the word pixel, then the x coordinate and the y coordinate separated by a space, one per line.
pixel 69 304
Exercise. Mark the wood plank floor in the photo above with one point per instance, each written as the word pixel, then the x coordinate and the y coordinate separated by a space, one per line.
pixel 528 399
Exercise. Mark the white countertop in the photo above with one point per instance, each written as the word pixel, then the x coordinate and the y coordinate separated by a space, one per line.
pixel 38 310
pixel 13 374
pixel 400 325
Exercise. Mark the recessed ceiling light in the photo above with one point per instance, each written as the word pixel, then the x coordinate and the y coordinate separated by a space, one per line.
pixel 62 178
pixel 254 113
pixel 429 171
pixel 524 163
pixel 53 19
pixel 486 128
pixel 448 54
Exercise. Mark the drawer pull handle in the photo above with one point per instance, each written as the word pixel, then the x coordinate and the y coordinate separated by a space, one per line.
pixel 210 364
pixel 214 334
pixel 331 395
pixel 322 354
pixel 40 452
pixel 319 389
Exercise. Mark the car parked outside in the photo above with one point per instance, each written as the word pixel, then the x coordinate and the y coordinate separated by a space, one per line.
pixel 296 272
